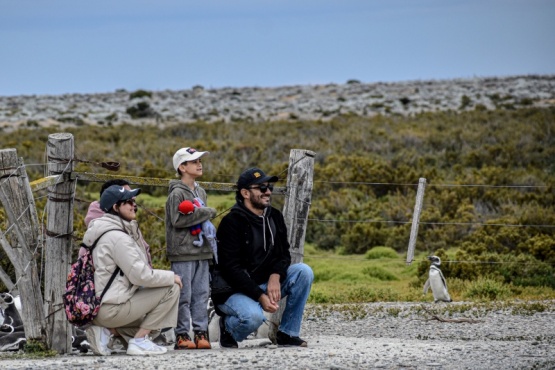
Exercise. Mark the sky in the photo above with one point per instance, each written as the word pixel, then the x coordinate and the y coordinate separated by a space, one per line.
pixel 53 47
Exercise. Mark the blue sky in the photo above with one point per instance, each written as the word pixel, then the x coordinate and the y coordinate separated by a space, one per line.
pixel 57 47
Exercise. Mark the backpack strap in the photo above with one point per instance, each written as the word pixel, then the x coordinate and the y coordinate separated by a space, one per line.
pixel 109 282
pixel 116 271
pixel 93 245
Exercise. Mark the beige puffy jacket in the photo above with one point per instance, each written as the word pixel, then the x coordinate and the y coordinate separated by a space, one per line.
pixel 117 248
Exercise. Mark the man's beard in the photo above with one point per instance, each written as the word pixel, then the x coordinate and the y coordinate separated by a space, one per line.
pixel 258 204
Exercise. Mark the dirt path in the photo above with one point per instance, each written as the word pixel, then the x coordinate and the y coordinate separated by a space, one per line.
pixel 370 336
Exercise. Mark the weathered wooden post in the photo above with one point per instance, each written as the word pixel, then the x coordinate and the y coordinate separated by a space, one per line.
pixel 59 231
pixel 416 219
pixel 17 198
pixel 295 212
pixel 297 204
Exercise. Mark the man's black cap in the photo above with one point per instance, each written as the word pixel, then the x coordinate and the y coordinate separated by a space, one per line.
pixel 254 176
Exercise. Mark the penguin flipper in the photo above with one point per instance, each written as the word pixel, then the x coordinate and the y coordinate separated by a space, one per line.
pixel 443 280
pixel 427 286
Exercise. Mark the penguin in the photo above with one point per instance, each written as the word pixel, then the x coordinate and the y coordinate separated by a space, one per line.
pixel 437 282
pixel 10 311
pixel 12 334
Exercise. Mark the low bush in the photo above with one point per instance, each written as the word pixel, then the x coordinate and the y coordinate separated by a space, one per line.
pixel 487 289
pixel 381 252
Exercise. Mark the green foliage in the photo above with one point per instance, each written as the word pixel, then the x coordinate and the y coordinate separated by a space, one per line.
pixel 525 270
pixel 465 102
pixel 379 273
pixel 365 179
pixel 487 289
pixel 358 294
pixel 141 110
pixel 36 349
pixel 140 94
pixel 381 252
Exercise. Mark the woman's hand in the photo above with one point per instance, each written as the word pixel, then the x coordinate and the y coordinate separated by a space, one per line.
pixel 177 280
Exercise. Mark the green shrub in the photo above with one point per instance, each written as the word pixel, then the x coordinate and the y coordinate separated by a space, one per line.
pixel 381 252
pixel 379 273
pixel 487 289
pixel 140 94
pixel 318 297
pixel 525 270
pixel 465 102
pixel 141 110
pixel 366 294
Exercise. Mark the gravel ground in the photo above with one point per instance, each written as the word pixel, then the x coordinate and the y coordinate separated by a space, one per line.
pixel 516 335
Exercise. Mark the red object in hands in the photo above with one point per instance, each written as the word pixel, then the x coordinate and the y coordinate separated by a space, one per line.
pixel 186 207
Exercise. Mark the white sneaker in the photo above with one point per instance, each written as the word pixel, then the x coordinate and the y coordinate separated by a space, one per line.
pixel 144 347
pixel 98 339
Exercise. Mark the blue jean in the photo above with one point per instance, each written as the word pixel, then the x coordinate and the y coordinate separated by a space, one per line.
pixel 244 315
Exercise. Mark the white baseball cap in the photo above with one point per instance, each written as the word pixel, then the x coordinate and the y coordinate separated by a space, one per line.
pixel 186 155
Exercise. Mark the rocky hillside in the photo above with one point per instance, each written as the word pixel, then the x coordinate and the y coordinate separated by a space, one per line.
pixel 310 102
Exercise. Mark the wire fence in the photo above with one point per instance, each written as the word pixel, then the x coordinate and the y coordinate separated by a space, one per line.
pixel 114 165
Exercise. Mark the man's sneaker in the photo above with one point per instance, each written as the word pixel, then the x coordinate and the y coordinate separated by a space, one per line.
pixel 183 341
pixel 226 339
pixel 289 341
pixel 144 346
pixel 201 340
pixel 98 339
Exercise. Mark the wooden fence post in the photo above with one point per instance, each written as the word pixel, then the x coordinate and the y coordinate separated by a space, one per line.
pixel 416 219
pixel 59 231
pixel 295 212
pixel 17 198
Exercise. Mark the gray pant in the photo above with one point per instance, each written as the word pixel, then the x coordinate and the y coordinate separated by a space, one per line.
pixel 193 300
pixel 148 308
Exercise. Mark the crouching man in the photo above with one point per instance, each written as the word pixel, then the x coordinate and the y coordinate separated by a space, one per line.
pixel 253 254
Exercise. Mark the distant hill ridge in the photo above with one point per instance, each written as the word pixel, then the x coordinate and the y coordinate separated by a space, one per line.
pixel 257 104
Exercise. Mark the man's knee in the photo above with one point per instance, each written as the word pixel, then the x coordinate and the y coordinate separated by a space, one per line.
pixel 303 271
pixel 252 315
pixel 253 319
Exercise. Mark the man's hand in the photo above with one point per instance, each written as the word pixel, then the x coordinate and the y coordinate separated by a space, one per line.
pixel 274 289
pixel 267 304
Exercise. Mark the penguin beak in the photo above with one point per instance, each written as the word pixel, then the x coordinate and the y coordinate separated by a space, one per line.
pixel 430 258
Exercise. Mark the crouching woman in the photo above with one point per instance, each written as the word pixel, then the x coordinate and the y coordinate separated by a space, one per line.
pixel 141 300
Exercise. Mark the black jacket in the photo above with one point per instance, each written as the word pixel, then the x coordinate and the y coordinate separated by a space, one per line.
pixel 251 248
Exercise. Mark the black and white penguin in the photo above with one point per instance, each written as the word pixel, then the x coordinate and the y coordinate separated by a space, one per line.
pixel 12 335
pixel 436 281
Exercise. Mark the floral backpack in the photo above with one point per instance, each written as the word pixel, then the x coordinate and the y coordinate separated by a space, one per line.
pixel 80 300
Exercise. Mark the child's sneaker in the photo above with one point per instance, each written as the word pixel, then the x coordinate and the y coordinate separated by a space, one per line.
pixel 98 339
pixel 144 346
pixel 289 341
pixel 201 340
pixel 183 341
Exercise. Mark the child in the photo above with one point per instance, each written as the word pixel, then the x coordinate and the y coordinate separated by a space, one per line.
pixel 189 261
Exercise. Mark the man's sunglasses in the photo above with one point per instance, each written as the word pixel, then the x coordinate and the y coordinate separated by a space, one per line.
pixel 131 202
pixel 263 188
